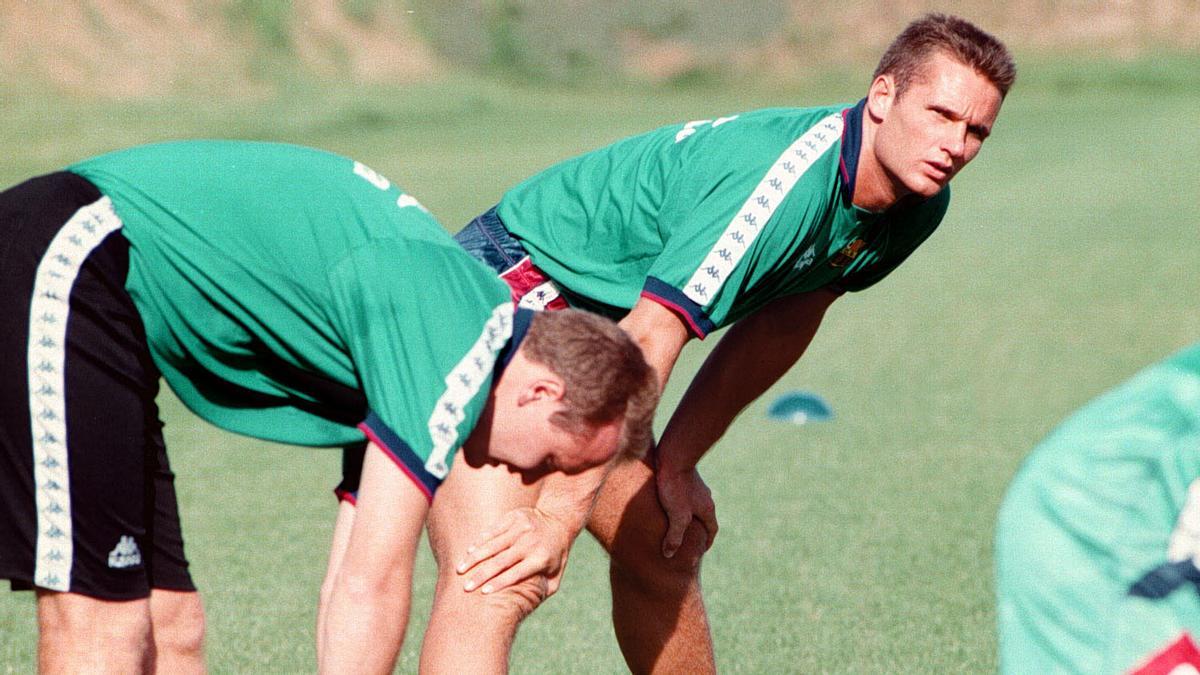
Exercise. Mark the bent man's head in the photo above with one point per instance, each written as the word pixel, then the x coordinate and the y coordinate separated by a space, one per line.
pixel 577 393
pixel 933 100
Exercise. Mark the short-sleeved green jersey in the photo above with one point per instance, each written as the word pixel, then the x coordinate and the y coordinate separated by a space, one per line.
pixel 294 295
pixel 716 218
pixel 1099 531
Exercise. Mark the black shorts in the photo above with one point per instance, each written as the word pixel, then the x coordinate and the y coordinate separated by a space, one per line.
pixel 87 499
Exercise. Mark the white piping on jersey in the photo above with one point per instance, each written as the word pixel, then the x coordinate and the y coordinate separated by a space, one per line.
pixel 754 215
pixel 48 315
pixel 463 383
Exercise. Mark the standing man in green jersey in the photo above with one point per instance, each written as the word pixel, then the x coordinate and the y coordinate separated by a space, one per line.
pixel 760 221
pixel 1098 538
pixel 287 294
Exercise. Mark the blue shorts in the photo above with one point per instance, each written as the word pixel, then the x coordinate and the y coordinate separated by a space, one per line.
pixel 489 241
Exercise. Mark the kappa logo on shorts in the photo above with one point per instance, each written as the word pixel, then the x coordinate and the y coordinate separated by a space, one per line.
pixel 126 554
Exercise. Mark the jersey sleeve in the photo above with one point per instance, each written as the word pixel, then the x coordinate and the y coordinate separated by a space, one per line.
pixel 743 206
pixel 424 325
pixel 902 233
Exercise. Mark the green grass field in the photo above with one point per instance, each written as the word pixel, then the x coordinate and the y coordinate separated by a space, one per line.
pixel 1067 262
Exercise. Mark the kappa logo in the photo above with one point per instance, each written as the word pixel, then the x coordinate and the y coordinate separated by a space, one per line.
pixel 806 260
pixel 847 254
pixel 126 554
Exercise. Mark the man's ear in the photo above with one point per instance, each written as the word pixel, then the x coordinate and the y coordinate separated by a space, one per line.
pixel 880 97
pixel 548 388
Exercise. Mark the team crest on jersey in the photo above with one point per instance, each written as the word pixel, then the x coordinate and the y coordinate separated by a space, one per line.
pixel 848 253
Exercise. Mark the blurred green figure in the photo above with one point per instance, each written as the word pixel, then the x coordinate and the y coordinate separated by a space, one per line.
pixel 1098 536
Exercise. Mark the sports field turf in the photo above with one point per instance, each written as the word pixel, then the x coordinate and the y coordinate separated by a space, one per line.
pixel 1068 260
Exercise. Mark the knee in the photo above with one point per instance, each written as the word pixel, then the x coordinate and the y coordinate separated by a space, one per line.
pixel 643 563
pixel 69 620
pixel 519 600
pixel 180 631
pixel 507 606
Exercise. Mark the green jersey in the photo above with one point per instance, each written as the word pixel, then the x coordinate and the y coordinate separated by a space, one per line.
pixel 715 218
pixel 298 296
pixel 1098 539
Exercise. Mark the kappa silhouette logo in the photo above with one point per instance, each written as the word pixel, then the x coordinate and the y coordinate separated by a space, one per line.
pixel 126 554
pixel 806 260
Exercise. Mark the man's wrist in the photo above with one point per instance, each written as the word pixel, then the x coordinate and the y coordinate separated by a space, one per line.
pixel 669 465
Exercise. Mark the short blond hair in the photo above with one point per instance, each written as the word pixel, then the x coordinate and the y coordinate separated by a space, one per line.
pixel 606 376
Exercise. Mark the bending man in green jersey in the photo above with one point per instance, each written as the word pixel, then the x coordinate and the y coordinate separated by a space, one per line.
pixel 1098 538
pixel 757 220
pixel 287 294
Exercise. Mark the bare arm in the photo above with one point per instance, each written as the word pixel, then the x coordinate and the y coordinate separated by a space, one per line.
pixel 366 612
pixel 751 357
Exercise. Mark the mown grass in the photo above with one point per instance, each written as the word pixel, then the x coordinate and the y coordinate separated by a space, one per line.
pixel 860 545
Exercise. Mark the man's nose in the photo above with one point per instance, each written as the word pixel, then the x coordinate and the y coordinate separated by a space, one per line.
pixel 956 142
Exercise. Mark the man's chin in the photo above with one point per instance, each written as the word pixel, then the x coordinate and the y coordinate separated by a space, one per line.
pixel 927 187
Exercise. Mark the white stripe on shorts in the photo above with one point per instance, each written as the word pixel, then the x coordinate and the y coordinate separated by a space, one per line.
pixel 48 314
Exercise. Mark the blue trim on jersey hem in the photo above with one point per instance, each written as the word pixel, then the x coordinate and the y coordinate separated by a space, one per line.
pixel 851 146
pixel 400 452
pixel 673 298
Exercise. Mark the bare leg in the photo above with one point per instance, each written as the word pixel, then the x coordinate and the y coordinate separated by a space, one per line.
pixel 80 634
pixel 473 632
pixel 658 610
pixel 177 632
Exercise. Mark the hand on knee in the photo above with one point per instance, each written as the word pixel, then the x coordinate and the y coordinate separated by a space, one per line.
pixel 507 606
pixel 641 562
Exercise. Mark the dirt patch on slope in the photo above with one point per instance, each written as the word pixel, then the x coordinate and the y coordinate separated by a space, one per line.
pixel 135 48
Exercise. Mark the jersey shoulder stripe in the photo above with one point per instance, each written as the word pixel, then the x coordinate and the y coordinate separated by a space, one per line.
pixel 463 383
pixel 770 192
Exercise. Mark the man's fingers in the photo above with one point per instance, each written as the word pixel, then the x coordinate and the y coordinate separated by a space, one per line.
pixel 486 572
pixel 709 520
pixel 500 541
pixel 674 536
pixel 513 575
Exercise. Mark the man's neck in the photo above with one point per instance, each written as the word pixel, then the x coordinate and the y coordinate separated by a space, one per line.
pixel 874 190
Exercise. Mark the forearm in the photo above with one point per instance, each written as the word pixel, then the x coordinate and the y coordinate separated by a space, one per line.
pixel 569 499
pixel 701 417
pixel 366 608
pixel 747 361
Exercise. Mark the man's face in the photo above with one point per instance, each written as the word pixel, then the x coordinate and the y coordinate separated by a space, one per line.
pixel 518 430
pixel 549 448
pixel 935 127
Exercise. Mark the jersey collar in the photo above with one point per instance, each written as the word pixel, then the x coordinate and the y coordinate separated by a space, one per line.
pixel 851 146
pixel 521 320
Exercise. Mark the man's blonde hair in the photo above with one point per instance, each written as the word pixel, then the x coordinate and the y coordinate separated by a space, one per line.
pixel 605 374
